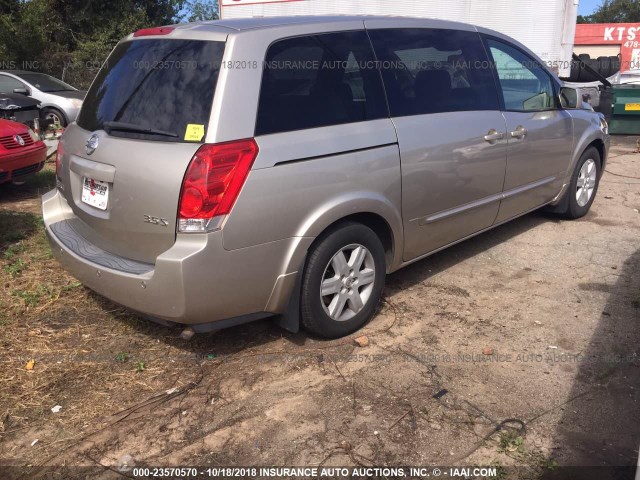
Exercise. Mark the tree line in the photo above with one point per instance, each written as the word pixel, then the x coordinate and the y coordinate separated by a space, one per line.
pixel 614 11
pixel 70 39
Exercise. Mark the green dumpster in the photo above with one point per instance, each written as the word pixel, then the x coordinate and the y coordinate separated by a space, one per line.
pixel 625 113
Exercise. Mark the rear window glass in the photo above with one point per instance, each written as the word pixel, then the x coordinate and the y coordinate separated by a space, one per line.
pixel 318 81
pixel 46 83
pixel 155 90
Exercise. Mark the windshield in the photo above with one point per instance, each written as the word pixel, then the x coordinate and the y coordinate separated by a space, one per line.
pixel 45 83
pixel 152 89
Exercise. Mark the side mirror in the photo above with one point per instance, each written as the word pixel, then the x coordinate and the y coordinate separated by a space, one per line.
pixel 570 97
pixel 21 90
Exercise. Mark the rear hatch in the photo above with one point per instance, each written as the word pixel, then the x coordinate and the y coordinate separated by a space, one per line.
pixel 142 120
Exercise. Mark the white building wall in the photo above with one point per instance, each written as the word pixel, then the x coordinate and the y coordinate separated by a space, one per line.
pixel 542 25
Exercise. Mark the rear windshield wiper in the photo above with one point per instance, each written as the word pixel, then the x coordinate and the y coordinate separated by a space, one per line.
pixel 132 127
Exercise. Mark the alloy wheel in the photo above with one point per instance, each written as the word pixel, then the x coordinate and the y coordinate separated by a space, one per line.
pixel 586 182
pixel 347 282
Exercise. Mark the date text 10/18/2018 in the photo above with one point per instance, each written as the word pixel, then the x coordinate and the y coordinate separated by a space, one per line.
pixel 315 472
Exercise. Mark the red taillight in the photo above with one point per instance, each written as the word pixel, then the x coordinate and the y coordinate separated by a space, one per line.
pixel 213 181
pixel 153 31
pixel 59 153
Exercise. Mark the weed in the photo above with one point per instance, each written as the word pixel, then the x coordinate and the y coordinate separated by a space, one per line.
pixel 550 464
pixel 4 319
pixel 13 250
pixel 139 367
pixel 71 286
pixel 45 179
pixel 15 268
pixel 501 472
pixel 31 298
pixel 122 357
pixel 16 226
pixel 511 442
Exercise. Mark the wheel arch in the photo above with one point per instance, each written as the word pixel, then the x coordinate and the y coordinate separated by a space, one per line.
pixel 590 138
pixel 285 297
pixel 598 144
pixel 369 208
pixel 375 222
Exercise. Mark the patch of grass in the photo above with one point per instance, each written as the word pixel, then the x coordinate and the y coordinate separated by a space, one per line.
pixel 13 250
pixel 71 286
pixel 34 185
pixel 45 180
pixel 550 464
pixel 4 319
pixel 41 244
pixel 32 298
pixel 15 268
pixel 501 472
pixel 511 442
pixel 122 357
pixel 16 226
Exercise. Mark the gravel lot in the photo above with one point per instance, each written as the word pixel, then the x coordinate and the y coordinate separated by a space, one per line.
pixel 534 324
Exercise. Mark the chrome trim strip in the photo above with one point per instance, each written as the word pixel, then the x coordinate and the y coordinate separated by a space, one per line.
pixel 527 187
pixel 483 201
pixel 428 254
pixel 335 154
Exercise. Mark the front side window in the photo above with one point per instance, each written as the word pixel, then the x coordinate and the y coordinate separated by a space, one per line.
pixel 8 84
pixel 525 85
pixel 317 81
pixel 434 70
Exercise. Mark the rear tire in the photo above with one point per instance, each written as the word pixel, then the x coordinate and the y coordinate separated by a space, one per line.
pixel 342 281
pixel 583 187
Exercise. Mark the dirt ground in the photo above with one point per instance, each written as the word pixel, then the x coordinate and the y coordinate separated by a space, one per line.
pixel 528 335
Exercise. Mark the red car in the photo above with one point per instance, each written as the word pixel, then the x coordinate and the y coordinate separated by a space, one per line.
pixel 22 153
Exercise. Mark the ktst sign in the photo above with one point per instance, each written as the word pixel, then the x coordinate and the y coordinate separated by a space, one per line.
pixel 627 35
pixel 620 34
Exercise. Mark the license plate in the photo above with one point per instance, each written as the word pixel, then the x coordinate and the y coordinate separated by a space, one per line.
pixel 95 193
pixel 632 106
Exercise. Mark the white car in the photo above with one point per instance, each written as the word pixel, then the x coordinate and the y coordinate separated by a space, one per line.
pixel 60 102
pixel 622 78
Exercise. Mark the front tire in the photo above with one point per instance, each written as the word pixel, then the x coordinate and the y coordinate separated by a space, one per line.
pixel 342 281
pixel 581 192
pixel 55 116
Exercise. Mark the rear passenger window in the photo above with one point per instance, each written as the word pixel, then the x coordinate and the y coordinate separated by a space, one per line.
pixel 434 70
pixel 318 81
pixel 526 86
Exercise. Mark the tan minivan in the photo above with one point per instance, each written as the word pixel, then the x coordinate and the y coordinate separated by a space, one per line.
pixel 226 171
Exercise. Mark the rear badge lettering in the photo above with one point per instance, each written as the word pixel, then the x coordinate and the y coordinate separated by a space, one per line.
pixel 163 222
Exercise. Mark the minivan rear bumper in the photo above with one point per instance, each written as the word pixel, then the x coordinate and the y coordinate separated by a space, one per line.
pixel 195 282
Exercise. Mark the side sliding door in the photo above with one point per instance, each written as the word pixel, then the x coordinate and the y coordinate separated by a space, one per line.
pixel 444 104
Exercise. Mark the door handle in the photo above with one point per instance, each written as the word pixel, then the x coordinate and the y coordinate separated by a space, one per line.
pixel 519 132
pixel 493 136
